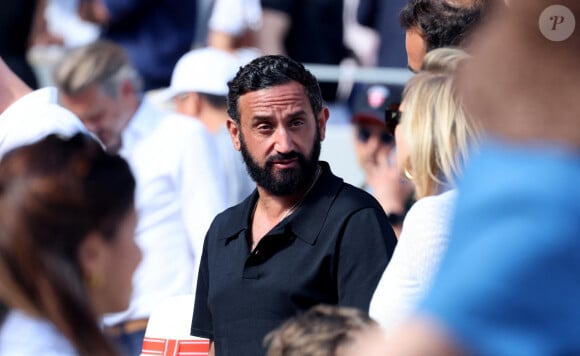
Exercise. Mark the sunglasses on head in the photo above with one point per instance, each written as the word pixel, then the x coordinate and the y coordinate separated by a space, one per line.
pixel 364 134
pixel 392 119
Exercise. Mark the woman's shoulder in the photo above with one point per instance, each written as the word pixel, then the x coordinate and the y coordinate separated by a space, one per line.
pixel 22 334
pixel 435 204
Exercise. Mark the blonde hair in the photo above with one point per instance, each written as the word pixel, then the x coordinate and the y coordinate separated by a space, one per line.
pixel 320 331
pixel 443 60
pixel 437 131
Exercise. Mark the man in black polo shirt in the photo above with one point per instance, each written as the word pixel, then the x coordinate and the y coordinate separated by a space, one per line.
pixel 304 237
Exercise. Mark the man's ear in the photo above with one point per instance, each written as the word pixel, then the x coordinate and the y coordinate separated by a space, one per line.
pixel 322 119
pixel 234 130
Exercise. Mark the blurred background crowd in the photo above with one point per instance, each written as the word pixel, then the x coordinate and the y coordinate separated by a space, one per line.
pixel 458 116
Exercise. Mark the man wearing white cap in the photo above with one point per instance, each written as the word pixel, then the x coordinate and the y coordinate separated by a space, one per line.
pixel 198 89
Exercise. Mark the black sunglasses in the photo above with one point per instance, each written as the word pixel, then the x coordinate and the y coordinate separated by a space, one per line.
pixel 392 118
pixel 364 134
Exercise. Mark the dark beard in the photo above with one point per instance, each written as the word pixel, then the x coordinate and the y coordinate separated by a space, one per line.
pixel 287 181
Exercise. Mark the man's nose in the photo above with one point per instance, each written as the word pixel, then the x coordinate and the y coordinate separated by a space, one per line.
pixel 283 140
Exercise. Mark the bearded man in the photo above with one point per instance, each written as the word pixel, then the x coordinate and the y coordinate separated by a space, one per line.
pixel 304 237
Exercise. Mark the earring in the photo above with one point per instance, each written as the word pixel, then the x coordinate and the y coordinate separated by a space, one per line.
pixel 406 170
pixel 95 281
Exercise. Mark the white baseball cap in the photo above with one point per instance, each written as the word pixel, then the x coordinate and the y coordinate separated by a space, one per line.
pixel 204 70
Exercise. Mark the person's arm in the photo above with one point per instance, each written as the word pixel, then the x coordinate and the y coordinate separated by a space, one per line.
pixel 211 349
pixel 275 26
pixel 202 320
pixel 94 11
pixel 391 190
pixel 12 87
pixel 40 35
pixel 421 337
pixel 366 248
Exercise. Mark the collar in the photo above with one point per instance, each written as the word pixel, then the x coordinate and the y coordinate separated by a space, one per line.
pixel 306 222
pixel 143 122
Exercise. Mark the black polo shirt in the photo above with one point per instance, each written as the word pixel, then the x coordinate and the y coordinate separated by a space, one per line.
pixel 333 249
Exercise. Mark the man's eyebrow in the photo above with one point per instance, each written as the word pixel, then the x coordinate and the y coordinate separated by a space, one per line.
pixel 298 113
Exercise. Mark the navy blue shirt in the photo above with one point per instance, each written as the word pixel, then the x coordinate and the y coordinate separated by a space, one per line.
pixel 332 250
pixel 383 16
pixel 155 34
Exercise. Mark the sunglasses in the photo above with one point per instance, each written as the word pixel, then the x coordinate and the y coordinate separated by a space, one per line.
pixel 364 134
pixel 392 119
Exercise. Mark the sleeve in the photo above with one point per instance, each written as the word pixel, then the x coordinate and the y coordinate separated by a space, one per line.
pixel 202 322
pixel 509 282
pixel 366 247
pixel 416 258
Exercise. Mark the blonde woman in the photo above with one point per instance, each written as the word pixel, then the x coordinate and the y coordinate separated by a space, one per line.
pixel 433 139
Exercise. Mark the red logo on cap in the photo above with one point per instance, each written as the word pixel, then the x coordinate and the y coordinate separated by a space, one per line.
pixel 376 95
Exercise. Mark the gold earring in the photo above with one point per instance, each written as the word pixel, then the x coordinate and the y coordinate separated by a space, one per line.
pixel 406 170
pixel 95 281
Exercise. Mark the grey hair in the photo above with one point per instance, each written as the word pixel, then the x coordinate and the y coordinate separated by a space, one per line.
pixel 101 62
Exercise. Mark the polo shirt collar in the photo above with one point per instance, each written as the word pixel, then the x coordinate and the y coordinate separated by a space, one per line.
pixel 306 222
pixel 240 218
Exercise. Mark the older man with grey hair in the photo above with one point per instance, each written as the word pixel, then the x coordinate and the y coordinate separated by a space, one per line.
pixel 179 187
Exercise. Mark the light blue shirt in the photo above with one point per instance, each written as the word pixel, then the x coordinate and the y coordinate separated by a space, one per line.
pixel 510 282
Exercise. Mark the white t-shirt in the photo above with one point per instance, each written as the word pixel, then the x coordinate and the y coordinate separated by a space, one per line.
pixel 181 187
pixel 423 241
pixel 33 117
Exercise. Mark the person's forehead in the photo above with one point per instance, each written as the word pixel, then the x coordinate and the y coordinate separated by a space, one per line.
pixel 290 94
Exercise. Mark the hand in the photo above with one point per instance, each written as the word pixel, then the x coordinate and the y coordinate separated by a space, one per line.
pixel 388 186
pixel 93 11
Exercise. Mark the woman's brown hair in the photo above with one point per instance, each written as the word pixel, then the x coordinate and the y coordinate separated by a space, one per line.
pixel 53 193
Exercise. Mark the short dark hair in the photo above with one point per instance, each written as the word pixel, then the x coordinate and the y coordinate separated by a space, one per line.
pixel 268 71
pixel 441 23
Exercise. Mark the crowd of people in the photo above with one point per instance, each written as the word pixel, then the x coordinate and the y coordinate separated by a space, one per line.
pixel 462 239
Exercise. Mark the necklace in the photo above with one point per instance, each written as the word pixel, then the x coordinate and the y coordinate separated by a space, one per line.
pixel 294 207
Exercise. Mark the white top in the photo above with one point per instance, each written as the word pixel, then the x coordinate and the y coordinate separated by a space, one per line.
pixel 416 258
pixel 180 189
pixel 23 335
pixel 33 117
pixel 142 124
pixel 235 16
pixel 240 185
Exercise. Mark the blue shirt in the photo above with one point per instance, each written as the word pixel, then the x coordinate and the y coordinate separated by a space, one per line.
pixel 510 282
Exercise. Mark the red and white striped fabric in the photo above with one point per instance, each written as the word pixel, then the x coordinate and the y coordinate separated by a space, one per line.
pixel 173 347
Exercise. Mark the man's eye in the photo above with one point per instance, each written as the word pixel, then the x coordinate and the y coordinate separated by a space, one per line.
pixel 264 127
pixel 297 123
